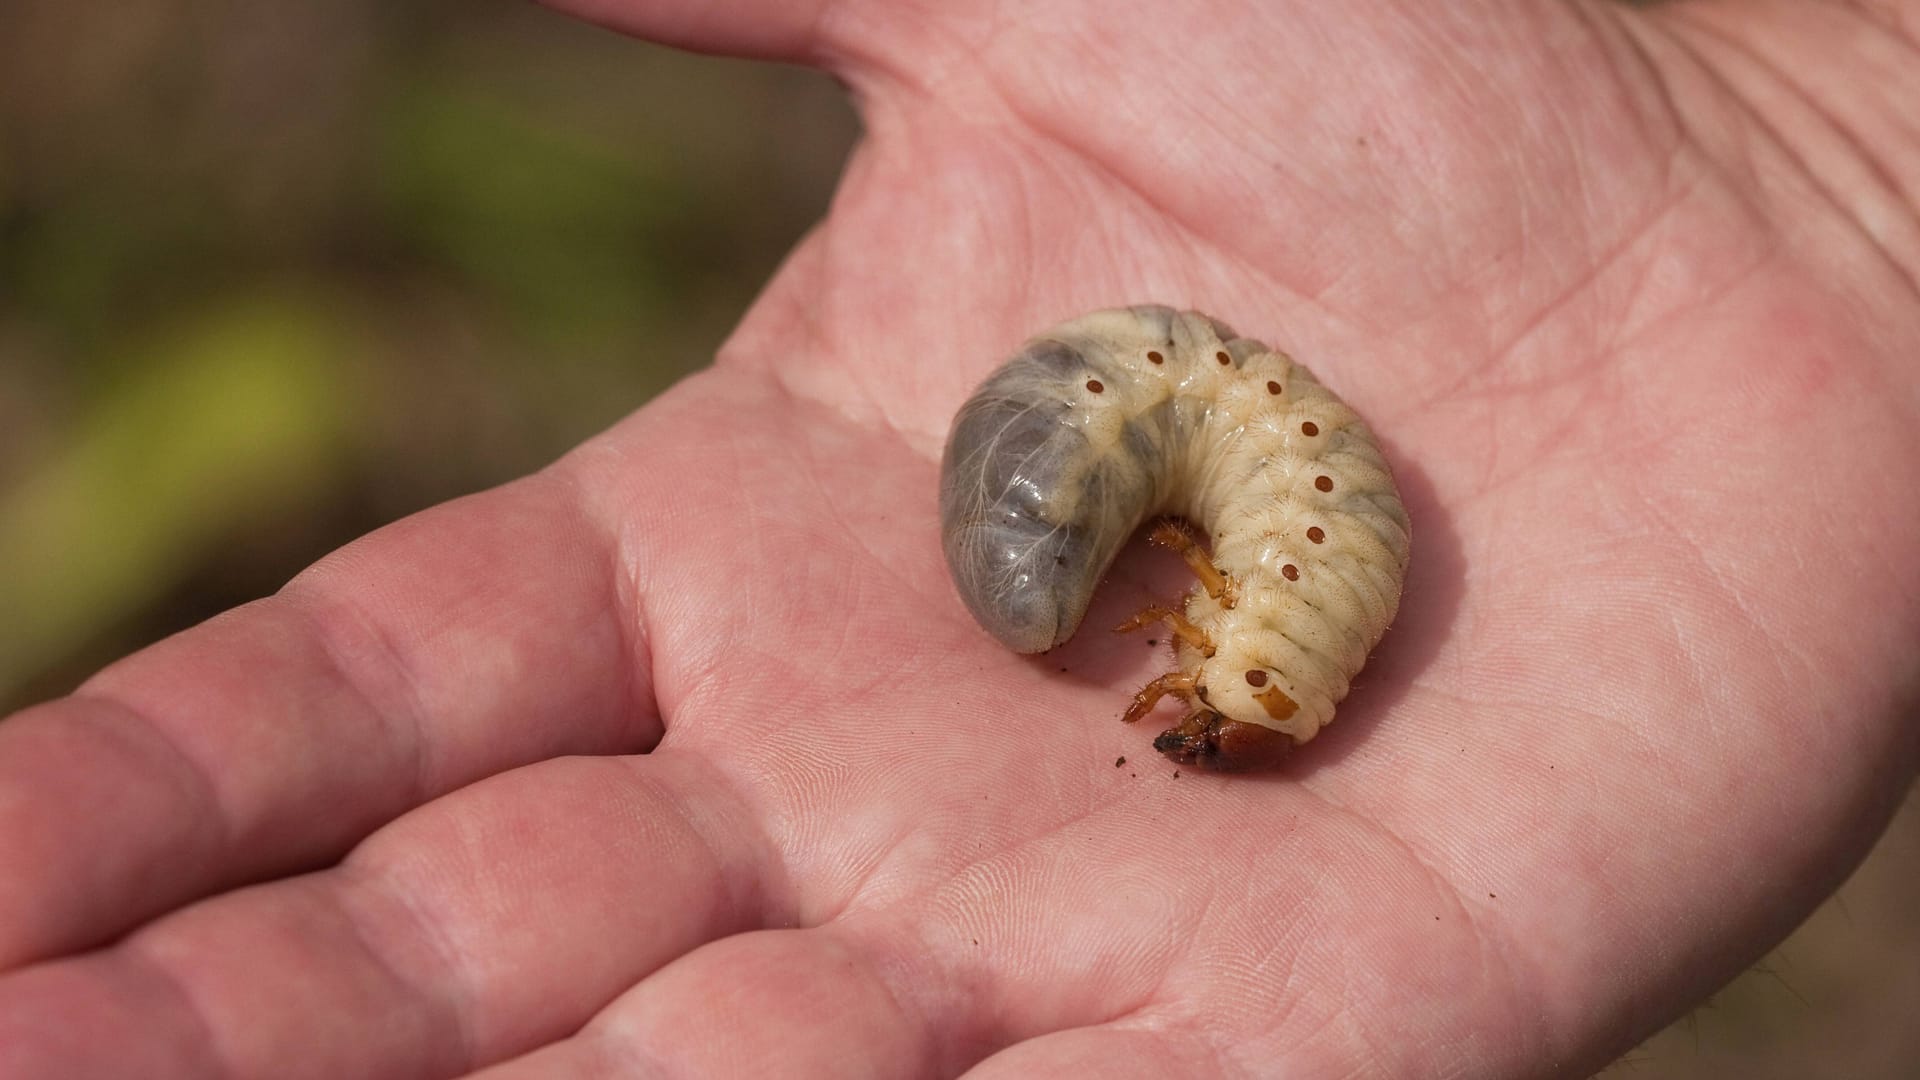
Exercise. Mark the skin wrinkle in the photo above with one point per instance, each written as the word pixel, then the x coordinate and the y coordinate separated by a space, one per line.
pixel 1500 356
pixel 1693 676
pixel 1188 944
pixel 1049 135
pixel 404 727
pixel 1565 433
pixel 851 902
pixel 934 54
pixel 930 438
pixel 1632 328
pixel 203 792
pixel 1834 123
pixel 765 897
pixel 884 862
pixel 1506 953
pixel 1734 279
pixel 1776 137
pixel 930 591
pixel 806 333
pixel 220 1063
pixel 1191 234
pixel 618 1051
pixel 945 1045
pixel 450 1015
pixel 636 637
pixel 1474 382
pixel 614 1057
pixel 780 378
pixel 1612 25
pixel 1628 30
pixel 698 670
pixel 1495 475
pixel 946 914
pixel 1730 595
pixel 1218 1046
pixel 822 44
pixel 628 612
pixel 1515 154
pixel 1170 1035
pixel 1066 168
pixel 795 909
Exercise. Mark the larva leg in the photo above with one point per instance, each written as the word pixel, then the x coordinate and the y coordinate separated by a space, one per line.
pixel 1210 740
pixel 1177 683
pixel 1176 536
pixel 1175 621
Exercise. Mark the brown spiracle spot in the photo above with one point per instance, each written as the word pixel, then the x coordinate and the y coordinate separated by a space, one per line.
pixel 1317 535
pixel 1274 387
pixel 1223 358
pixel 1323 483
pixel 1156 358
pixel 1094 385
pixel 1290 572
pixel 1309 429
pixel 1256 678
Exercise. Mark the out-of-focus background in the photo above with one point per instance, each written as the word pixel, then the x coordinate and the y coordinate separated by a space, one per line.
pixel 275 272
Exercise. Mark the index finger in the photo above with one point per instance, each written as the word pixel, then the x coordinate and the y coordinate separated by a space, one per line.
pixel 490 632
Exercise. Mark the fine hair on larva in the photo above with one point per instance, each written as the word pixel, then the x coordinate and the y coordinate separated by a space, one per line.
pixel 1122 416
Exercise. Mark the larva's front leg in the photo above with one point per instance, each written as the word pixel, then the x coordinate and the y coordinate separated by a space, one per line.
pixel 1177 537
pixel 1178 683
pixel 1176 621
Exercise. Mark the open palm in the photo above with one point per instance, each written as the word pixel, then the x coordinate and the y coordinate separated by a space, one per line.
pixel 682 757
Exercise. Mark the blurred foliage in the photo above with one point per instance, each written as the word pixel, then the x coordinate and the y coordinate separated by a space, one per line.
pixel 273 273
pixel 221 422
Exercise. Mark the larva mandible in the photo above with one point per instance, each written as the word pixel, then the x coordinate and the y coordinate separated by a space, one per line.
pixel 1119 416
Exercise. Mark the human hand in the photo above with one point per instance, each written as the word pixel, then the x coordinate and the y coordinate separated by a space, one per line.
pixel 1642 380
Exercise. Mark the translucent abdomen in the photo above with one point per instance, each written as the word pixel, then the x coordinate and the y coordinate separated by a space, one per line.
pixel 1034 505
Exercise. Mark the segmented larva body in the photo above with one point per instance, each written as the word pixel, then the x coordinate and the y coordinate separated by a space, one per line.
pixel 1119 416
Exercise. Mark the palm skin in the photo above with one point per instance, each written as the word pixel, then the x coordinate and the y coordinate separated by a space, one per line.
pixel 1642 706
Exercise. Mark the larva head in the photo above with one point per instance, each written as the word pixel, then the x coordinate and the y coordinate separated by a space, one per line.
pixel 1248 706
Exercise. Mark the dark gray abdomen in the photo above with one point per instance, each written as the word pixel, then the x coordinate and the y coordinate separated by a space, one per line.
pixel 1031 513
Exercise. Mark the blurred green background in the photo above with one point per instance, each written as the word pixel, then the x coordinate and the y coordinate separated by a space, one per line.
pixel 273 273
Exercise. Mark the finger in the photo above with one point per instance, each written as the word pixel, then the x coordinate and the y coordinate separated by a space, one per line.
pixel 1045 940
pixel 788 1003
pixel 764 29
pixel 460 642
pixel 493 920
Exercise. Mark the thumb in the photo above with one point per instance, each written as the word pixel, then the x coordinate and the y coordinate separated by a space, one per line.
pixel 755 29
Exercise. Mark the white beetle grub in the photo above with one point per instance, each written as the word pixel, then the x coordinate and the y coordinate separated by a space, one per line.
pixel 1122 416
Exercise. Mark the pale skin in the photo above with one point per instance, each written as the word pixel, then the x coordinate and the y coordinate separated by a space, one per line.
pixel 680 758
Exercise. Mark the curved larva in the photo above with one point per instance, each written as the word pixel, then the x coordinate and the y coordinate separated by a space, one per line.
pixel 1119 416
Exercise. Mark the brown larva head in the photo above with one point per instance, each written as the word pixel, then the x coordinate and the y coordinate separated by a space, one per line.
pixel 1214 742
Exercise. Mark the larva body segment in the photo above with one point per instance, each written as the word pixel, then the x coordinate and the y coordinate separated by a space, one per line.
pixel 1119 416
